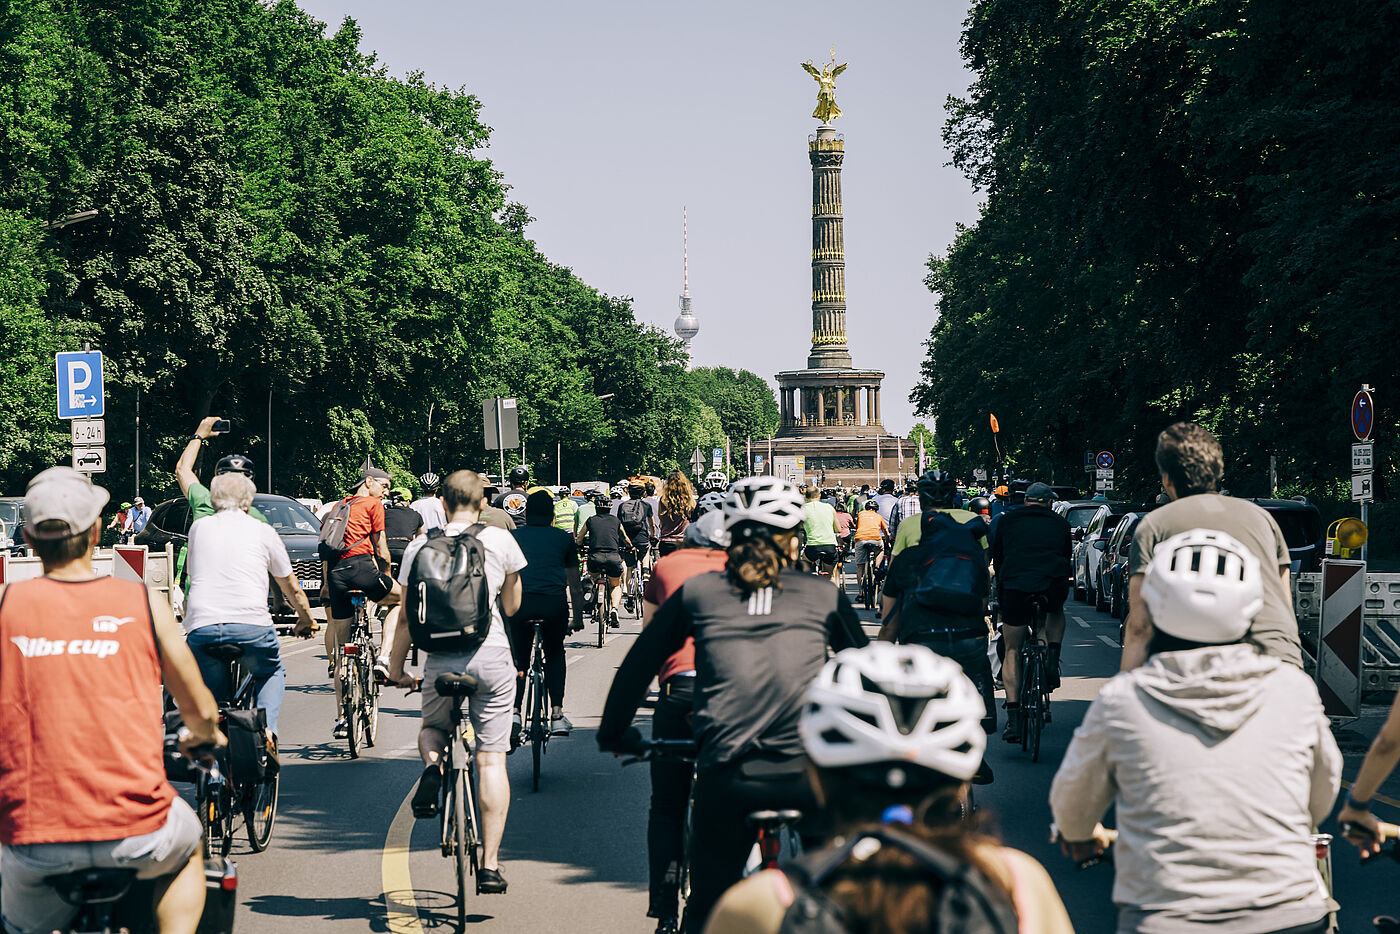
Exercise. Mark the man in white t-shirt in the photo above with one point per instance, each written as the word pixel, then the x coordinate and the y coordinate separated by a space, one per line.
pixel 231 555
pixel 429 505
pixel 463 494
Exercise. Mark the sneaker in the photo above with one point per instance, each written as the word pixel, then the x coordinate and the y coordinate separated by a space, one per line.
pixel 560 726
pixel 612 620
pixel 341 729
pixel 517 731
pixel 1052 672
pixel 274 764
pixel 381 671
pixel 425 797
pixel 627 602
pixel 667 926
pixel 490 882
pixel 1012 733
pixel 576 625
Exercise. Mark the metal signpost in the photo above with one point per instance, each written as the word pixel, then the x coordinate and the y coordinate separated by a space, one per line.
pixel 697 463
pixel 501 423
pixel 82 398
pixel 717 458
pixel 1363 422
pixel 1103 472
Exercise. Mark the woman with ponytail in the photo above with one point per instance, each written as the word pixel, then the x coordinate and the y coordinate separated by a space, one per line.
pixel 894 735
pixel 761 630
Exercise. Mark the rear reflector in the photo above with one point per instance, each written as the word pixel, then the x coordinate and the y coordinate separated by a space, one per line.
pixel 352 649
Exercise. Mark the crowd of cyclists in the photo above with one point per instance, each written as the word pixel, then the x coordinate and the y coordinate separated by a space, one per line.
pixel 1210 744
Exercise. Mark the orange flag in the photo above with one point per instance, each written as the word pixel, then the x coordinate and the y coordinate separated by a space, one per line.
pixel 996 427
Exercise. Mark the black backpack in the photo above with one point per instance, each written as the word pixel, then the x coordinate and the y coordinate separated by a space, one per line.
pixel 633 513
pixel 968 902
pixel 448 603
pixel 953 579
pixel 400 528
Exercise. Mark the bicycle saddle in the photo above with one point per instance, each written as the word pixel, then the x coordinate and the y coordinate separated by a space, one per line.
pixel 455 685
pixel 225 651
pixel 91 886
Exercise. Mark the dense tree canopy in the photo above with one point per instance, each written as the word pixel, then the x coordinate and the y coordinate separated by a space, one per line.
pixel 290 237
pixel 1191 212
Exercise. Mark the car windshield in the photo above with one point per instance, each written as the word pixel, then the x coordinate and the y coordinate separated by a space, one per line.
pixel 1300 527
pixel 289 517
pixel 1079 516
pixel 9 512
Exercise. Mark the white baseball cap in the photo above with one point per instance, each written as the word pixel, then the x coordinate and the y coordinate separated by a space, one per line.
pixel 65 495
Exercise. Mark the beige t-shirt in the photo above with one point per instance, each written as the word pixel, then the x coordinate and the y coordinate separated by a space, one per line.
pixel 1275 629
pixel 757 904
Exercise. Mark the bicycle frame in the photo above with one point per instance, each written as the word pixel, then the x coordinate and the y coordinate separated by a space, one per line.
pixel 459 819
pixel 538 730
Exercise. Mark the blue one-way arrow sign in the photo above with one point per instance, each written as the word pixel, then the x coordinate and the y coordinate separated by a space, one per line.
pixel 80 390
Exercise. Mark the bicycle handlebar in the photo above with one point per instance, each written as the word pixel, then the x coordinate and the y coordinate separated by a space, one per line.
pixel 683 750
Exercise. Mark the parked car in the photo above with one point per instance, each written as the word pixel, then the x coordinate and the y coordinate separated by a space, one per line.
pixel 1091 547
pixel 1111 594
pixel 1302 528
pixel 11 517
pixel 1077 513
pixel 298 527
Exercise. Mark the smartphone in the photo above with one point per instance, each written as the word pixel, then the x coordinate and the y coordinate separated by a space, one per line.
pixel 222 427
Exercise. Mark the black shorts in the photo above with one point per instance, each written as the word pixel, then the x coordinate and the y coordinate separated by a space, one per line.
pixel 1016 609
pixel 358 573
pixel 607 565
pixel 823 555
pixel 637 553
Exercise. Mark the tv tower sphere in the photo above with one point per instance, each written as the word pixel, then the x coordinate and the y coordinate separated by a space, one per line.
pixel 687 325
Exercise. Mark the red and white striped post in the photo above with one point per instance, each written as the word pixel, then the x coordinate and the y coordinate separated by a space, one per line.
pixel 129 563
pixel 1339 642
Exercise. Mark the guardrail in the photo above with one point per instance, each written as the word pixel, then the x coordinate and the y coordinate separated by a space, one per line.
pixel 1380 627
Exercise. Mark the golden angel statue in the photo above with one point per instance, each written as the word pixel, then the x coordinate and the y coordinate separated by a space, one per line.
pixel 827 110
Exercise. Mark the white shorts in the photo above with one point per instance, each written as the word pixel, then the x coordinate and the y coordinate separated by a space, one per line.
pixel 492 704
pixel 31 907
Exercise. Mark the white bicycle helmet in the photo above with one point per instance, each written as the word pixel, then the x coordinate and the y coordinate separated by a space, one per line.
pixel 710 502
pixel 707 532
pixel 1203 586
pixel 888 704
pixel 767 501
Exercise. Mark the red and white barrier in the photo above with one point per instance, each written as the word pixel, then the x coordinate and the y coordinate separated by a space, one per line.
pixel 129 563
pixel 1339 648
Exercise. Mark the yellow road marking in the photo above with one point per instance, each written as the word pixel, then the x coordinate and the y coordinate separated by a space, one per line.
pixel 399 901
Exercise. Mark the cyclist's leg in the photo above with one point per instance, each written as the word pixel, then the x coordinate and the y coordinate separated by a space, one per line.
pixel 670 792
pixel 262 657
pixel 1055 628
pixel 522 635
pixel 1015 637
pixel 212 670
pixel 552 632
pixel 490 709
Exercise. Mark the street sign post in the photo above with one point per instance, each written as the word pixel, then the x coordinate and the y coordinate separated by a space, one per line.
pixel 88 432
pixel 717 458
pixel 1103 486
pixel 80 390
pixel 90 460
pixel 1361 488
pixel 1101 474
pixel 500 421
pixel 1104 461
pixel 697 462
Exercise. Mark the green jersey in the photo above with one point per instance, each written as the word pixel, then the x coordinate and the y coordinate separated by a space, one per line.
pixel 202 504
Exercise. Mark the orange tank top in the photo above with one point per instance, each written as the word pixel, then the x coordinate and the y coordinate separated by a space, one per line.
pixel 80 713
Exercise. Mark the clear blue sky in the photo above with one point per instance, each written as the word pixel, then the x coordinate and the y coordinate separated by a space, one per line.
pixel 610 115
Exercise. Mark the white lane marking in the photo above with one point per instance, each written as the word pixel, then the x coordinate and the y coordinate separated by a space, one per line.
pixel 1080 621
pixel 315 645
pixel 1108 642
pixel 401 907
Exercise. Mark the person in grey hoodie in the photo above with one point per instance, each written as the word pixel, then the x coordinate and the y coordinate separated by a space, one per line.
pixel 1219 759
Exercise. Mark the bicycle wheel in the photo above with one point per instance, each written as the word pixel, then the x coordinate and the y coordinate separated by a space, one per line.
pixel 260 811
pixel 603 609
pixel 369 691
pixel 538 728
pixel 1035 714
pixel 461 846
pixel 1027 700
pixel 636 599
pixel 207 809
pixel 350 686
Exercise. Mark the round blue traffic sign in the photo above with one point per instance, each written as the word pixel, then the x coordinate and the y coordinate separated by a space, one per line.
pixel 1363 415
pixel 1104 460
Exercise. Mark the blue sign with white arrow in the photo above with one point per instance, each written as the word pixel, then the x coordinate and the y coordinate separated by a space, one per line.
pixel 80 390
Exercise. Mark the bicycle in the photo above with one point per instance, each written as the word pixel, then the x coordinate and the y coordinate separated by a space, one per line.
pixel 1034 710
pixel 359 689
pixel 459 817
pixel 111 899
pixel 602 606
pixel 869 589
pixel 679 750
pixel 219 796
pixel 636 582
pixel 537 726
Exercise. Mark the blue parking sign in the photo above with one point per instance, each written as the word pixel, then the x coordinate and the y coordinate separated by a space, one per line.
pixel 80 390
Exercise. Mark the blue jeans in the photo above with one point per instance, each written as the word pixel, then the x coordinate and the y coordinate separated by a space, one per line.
pixel 262 658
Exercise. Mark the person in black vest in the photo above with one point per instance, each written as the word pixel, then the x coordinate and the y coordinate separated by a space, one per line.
pixel 401 526
pixel 550 577
pixel 512 501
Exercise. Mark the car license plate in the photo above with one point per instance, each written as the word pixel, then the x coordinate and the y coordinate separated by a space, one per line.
pixel 310 585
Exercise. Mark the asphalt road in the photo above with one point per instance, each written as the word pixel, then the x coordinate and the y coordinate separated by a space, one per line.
pixel 347 856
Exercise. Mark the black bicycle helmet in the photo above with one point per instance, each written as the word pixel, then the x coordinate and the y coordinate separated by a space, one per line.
pixel 430 482
pixel 980 505
pixel 911 485
pixel 235 463
pixel 519 474
pixel 871 505
pixel 939 486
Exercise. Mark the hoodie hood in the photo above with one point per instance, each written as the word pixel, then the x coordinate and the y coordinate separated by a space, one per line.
pixel 1219 687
